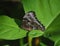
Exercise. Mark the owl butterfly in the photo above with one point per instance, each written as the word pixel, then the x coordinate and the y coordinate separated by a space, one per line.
pixel 30 22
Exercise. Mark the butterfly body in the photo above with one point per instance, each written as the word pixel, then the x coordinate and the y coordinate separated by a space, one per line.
pixel 30 22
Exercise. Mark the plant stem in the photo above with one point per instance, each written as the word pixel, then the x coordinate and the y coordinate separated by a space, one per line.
pixel 37 41
pixel 29 41
pixel 21 42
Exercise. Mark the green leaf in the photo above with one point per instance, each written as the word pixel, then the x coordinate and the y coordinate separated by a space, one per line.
pixel 9 29
pixel 57 43
pixel 47 11
pixel 35 33
pixel 54 29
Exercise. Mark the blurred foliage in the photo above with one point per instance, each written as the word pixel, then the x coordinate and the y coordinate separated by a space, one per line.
pixel 9 29
pixel 48 12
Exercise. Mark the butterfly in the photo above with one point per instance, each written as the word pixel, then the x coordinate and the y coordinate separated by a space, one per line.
pixel 30 22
